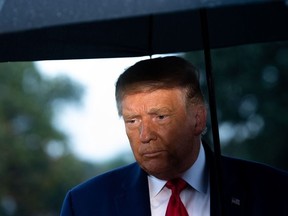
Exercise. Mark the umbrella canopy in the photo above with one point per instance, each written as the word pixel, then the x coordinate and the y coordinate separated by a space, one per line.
pixel 38 30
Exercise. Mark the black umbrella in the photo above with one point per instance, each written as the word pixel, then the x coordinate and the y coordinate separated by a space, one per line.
pixel 67 29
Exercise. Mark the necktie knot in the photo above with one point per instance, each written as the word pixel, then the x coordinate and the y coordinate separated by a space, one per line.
pixel 176 185
pixel 175 206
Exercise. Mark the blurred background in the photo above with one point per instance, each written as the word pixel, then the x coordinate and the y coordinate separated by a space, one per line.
pixel 59 125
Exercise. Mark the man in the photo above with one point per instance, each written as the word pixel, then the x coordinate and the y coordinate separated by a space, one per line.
pixel 165 114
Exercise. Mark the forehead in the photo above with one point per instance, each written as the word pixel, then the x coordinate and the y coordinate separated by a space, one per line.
pixel 156 99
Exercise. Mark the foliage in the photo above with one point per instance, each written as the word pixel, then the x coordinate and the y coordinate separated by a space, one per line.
pixel 251 94
pixel 35 164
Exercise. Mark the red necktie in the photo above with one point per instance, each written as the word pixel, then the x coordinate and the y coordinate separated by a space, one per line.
pixel 175 206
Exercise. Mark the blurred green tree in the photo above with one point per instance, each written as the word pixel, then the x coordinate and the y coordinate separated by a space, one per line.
pixel 251 94
pixel 36 167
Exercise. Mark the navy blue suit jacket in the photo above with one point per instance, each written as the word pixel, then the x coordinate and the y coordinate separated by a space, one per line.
pixel 248 189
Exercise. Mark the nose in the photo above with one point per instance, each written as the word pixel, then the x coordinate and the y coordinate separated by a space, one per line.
pixel 146 132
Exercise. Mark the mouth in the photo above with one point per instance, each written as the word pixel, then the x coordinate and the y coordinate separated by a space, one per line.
pixel 152 154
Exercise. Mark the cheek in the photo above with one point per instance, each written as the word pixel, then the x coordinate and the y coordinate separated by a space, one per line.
pixel 180 135
pixel 178 128
pixel 133 140
pixel 132 134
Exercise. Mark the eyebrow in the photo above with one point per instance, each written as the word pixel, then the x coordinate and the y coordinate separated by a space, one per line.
pixel 129 116
pixel 160 109
pixel 150 112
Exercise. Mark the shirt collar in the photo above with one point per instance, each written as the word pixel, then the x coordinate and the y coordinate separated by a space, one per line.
pixel 196 176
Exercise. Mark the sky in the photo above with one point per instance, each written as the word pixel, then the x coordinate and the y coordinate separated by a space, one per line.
pixel 95 131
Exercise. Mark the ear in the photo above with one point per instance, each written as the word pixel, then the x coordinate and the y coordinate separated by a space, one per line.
pixel 200 119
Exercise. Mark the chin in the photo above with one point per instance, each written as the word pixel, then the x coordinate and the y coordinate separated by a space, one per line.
pixel 161 172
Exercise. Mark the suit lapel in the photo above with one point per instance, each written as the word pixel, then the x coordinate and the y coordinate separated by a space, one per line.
pixel 133 198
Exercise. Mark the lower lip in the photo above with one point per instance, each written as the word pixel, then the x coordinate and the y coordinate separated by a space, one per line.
pixel 152 155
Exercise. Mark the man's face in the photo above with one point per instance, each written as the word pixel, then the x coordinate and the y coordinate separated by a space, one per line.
pixel 163 130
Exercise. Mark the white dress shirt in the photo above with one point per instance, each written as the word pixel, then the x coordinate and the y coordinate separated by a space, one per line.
pixel 196 198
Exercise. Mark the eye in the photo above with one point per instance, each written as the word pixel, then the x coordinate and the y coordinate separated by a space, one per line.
pixel 130 121
pixel 161 117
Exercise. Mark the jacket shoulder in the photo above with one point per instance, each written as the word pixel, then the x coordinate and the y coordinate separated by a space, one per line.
pixel 108 179
pixel 98 195
pixel 252 169
pixel 261 188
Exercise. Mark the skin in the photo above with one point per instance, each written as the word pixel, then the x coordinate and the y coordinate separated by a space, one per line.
pixel 164 130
